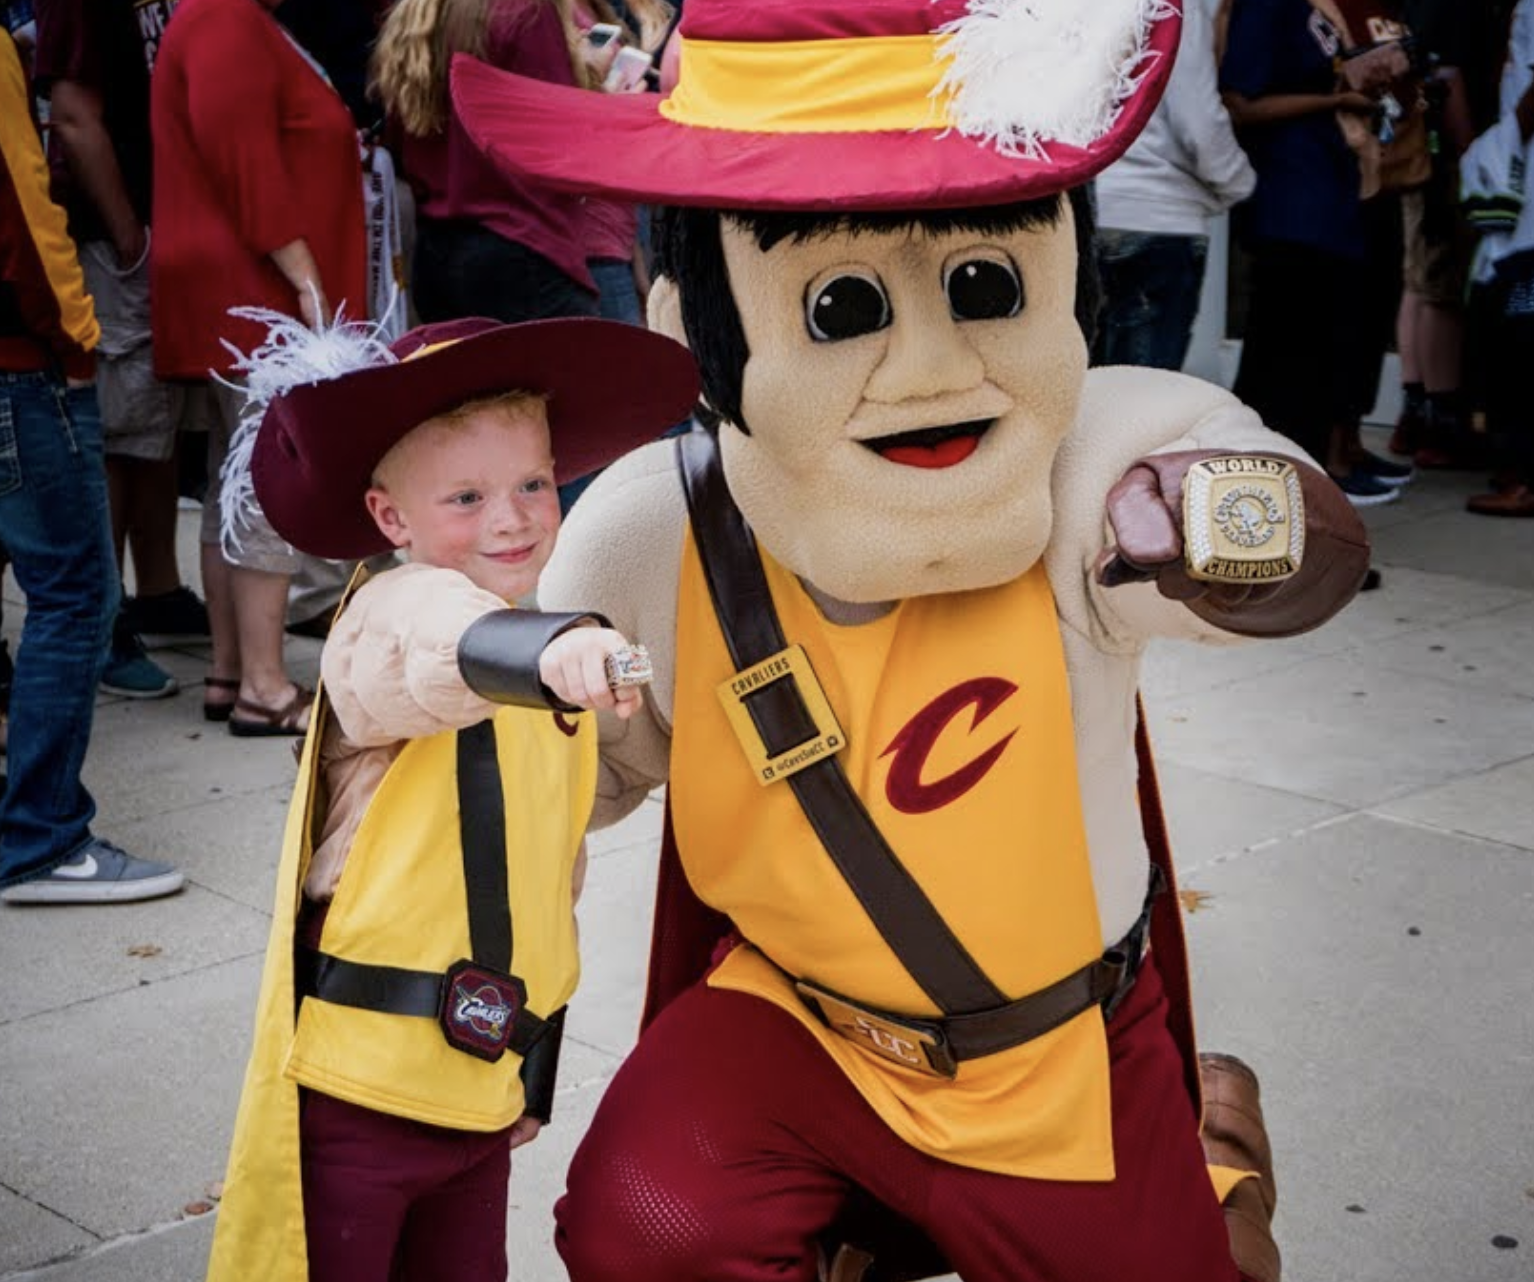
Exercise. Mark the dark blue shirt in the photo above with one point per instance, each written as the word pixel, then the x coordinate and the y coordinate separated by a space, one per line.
pixel 1307 177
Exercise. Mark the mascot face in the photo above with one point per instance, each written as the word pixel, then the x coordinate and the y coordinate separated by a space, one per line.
pixel 905 394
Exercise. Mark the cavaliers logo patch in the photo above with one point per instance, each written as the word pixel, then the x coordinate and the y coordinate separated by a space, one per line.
pixel 479 1008
pixel 907 791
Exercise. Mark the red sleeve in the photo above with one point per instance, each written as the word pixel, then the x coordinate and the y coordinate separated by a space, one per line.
pixel 234 78
pixel 528 37
pixel 65 50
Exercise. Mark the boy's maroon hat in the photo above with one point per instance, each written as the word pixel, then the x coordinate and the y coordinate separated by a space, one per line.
pixel 611 387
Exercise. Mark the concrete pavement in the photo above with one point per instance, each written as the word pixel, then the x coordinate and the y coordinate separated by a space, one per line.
pixel 1356 807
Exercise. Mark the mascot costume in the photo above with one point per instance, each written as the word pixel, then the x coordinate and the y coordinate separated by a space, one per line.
pixel 915 1003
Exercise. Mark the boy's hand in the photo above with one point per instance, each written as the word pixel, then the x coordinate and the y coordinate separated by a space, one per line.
pixel 574 666
pixel 525 1130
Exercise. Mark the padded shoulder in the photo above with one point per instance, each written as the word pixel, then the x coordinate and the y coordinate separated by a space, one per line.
pixel 619 553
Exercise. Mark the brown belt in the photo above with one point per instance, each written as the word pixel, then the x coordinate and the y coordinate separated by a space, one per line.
pixel 938 1046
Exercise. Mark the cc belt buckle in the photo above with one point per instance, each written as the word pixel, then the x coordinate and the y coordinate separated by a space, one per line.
pixel 1243 520
pixel 919 1045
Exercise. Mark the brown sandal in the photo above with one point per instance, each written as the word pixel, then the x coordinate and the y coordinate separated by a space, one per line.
pixel 263 722
pixel 219 711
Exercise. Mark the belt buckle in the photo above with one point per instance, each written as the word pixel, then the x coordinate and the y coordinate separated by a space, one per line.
pixel 1243 520
pixel 788 664
pixel 919 1045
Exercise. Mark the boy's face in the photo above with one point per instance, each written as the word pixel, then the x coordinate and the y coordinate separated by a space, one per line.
pixel 906 395
pixel 475 496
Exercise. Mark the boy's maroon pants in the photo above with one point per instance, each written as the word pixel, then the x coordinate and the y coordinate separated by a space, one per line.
pixel 728 1141
pixel 391 1200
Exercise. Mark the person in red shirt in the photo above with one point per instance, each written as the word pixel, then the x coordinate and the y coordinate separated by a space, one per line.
pixel 258 202
pixel 486 244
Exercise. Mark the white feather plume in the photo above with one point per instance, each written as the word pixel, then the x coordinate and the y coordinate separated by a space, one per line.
pixel 292 355
pixel 1026 72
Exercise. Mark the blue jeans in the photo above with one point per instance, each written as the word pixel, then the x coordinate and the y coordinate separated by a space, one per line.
pixel 54 523
pixel 1151 285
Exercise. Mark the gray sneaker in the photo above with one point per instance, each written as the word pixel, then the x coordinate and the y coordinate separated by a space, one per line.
pixel 99 873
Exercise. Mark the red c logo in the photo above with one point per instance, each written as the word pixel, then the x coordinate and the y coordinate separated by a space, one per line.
pixel 914 744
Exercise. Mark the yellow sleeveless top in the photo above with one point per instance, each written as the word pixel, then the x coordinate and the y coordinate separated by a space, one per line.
pixel 959 740
pixel 402 902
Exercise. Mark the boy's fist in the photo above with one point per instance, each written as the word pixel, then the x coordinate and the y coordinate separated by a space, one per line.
pixel 576 666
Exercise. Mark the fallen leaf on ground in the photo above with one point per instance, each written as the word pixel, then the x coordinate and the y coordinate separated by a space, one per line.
pixel 1194 900
pixel 196 1208
pixel 145 950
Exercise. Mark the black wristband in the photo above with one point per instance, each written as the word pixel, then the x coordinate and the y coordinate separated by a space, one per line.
pixel 498 655
pixel 540 1069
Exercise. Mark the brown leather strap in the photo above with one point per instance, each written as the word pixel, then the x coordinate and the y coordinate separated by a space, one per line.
pixel 1103 982
pixel 906 919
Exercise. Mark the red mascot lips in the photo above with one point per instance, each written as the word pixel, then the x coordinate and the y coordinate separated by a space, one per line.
pixel 932 447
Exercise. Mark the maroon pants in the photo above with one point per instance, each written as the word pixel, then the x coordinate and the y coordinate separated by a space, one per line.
pixel 728 1142
pixel 390 1200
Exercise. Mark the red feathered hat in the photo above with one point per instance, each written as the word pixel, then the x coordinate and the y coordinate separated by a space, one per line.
pixel 610 388
pixel 848 104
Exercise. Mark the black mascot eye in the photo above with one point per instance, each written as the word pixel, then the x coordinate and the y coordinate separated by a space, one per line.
pixel 846 307
pixel 983 289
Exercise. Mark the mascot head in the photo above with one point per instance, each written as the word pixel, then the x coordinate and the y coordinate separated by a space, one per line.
pixel 877 246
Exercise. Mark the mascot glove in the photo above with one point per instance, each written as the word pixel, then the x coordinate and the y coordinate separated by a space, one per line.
pixel 1145 511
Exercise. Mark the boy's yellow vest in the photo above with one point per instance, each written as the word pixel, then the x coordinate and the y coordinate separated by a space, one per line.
pixel 401 902
pixel 960 742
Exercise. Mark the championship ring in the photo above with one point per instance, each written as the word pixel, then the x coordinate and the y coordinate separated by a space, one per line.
pixel 1243 520
pixel 629 666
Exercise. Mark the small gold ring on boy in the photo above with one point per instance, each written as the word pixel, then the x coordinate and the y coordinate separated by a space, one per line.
pixel 629 666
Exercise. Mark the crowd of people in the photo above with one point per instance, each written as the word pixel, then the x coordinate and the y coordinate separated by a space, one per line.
pixel 1369 151
pixel 208 155
pixel 164 174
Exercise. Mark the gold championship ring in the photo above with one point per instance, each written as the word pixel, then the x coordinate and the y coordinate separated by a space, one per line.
pixel 1243 520
pixel 629 666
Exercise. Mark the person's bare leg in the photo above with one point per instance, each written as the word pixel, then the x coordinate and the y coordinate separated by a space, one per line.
pixel 1448 441
pixel 260 608
pixel 1412 421
pixel 218 588
pixel 151 525
pixel 1439 344
pixel 118 487
pixel 1407 326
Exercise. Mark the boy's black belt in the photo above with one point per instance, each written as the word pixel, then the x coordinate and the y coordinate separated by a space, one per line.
pixel 392 990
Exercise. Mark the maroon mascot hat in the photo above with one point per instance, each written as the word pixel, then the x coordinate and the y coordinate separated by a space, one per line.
pixel 848 104
pixel 610 388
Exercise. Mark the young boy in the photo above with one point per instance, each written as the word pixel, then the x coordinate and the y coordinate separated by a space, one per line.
pixel 424 929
